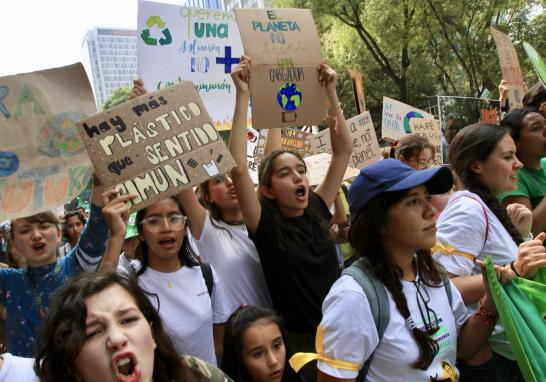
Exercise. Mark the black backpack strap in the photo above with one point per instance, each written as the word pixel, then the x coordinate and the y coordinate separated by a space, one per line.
pixel 206 269
pixel 378 300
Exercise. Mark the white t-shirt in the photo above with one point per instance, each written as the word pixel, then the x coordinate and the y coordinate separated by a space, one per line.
pixel 236 260
pixel 186 309
pixel 350 334
pixel 462 227
pixel 17 369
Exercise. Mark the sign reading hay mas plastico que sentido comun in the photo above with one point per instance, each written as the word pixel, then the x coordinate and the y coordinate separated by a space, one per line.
pixel 156 145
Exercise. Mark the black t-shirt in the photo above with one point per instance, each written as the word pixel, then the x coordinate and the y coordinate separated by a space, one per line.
pixel 300 272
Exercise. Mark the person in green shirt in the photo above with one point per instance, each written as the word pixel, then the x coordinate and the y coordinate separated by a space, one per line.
pixel 528 129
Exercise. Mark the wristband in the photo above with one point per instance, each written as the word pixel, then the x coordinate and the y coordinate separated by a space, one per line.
pixel 528 237
pixel 489 317
pixel 329 111
pixel 513 267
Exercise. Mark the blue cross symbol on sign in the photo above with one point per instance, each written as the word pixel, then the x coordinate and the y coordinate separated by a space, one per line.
pixel 227 61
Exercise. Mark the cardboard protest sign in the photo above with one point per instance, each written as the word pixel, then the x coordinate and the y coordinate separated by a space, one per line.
pixel 296 141
pixel 43 162
pixel 156 145
pixel 284 47
pixel 396 117
pixel 365 146
pixel 511 70
pixel 358 91
pixel 429 128
pixel 178 43
pixel 251 149
pixel 536 60
pixel 317 167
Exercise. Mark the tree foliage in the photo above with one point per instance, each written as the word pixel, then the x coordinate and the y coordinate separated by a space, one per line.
pixel 413 49
pixel 120 95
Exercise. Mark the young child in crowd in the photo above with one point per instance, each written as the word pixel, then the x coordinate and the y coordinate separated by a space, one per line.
pixel 254 348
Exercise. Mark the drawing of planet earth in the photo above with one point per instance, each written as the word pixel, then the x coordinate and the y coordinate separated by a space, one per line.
pixel 58 137
pixel 289 96
pixel 410 115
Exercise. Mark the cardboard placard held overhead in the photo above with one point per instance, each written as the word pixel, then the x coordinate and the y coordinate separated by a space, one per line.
pixel 364 140
pixel 396 117
pixel 196 44
pixel 43 163
pixel 296 141
pixel 536 60
pixel 430 129
pixel 511 70
pixel 284 47
pixel 317 167
pixel 156 145
pixel 358 91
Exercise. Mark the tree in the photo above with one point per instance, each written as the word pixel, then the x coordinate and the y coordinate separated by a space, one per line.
pixel 120 95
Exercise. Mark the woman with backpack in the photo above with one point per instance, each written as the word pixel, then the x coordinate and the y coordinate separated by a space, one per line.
pixel 397 317
pixel 187 293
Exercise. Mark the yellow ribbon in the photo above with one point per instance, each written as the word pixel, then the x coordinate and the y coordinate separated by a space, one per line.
pixel 449 250
pixel 298 360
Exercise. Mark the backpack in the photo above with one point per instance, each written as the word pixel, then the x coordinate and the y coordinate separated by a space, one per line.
pixel 378 300
pixel 206 270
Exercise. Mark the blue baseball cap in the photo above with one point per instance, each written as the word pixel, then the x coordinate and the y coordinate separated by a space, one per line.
pixel 390 175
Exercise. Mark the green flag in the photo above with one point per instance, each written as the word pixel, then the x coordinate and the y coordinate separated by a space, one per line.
pixel 521 304
pixel 537 62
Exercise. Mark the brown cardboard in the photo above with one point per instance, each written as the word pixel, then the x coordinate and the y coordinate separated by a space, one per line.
pixel 284 47
pixel 297 141
pixel 511 70
pixel 429 128
pixel 358 91
pixel 43 162
pixel 156 145
pixel 364 141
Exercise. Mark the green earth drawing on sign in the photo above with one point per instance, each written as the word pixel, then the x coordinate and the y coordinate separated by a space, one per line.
pixel 59 137
pixel 289 96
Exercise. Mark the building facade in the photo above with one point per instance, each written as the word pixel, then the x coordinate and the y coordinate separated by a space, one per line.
pixel 111 57
pixel 230 4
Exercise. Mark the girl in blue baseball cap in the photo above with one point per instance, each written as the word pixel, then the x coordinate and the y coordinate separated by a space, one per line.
pixel 394 314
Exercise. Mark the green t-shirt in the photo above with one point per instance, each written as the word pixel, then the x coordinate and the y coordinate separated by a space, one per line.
pixel 531 184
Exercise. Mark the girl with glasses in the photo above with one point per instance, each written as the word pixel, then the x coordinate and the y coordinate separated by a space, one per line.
pixel 475 225
pixel 415 151
pixel 187 294
pixel 428 327
pixel 218 232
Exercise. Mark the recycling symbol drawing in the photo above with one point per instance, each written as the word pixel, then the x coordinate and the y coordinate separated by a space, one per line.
pixel 149 40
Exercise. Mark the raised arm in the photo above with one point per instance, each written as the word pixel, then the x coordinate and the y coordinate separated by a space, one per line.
pixel 248 199
pixel 273 141
pixel 116 213
pixel 195 211
pixel 339 136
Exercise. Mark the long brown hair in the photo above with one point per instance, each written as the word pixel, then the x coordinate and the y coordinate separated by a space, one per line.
pixel 364 237
pixel 63 331
pixel 472 144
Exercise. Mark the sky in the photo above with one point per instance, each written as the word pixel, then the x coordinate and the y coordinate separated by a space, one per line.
pixel 42 34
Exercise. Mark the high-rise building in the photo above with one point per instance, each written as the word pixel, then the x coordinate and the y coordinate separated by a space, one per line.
pixel 110 55
pixel 230 4
pixel 211 4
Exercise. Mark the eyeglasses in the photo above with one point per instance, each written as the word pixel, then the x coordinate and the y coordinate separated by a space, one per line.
pixel 423 163
pixel 429 317
pixel 155 223
pixel 219 179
